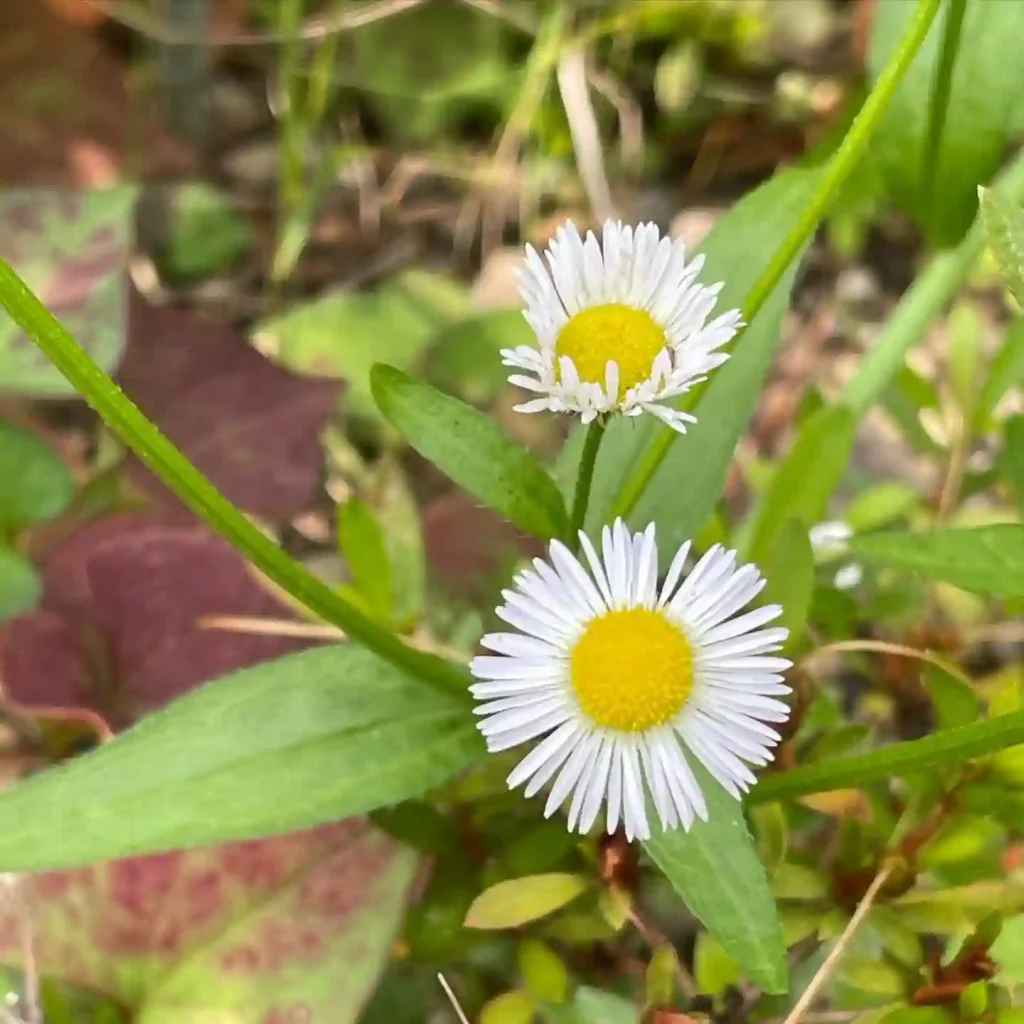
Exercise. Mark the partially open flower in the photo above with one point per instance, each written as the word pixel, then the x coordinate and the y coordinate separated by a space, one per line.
pixel 625 680
pixel 621 325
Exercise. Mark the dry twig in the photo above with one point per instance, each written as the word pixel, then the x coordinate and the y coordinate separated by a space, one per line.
pixel 463 1019
pixel 586 137
pixel 832 960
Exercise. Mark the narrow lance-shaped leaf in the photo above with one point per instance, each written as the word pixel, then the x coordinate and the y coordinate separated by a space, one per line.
pixel 363 544
pixel 985 560
pixel 292 743
pixel 1012 459
pixel 473 450
pixel 715 869
pixel 807 476
pixel 948 747
pixel 1004 230
pixel 789 574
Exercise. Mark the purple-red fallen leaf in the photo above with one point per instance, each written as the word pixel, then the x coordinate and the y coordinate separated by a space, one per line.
pixel 467 544
pixel 44 671
pixel 250 426
pixel 243 932
pixel 127 591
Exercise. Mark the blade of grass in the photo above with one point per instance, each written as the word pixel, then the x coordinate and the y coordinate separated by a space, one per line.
pixel 842 165
pixel 929 294
pixel 939 104
pixel 950 746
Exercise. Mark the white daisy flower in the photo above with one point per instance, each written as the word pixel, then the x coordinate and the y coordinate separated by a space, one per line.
pixel 625 680
pixel 621 326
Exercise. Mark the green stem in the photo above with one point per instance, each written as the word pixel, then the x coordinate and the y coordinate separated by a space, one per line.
pixel 951 746
pixel 584 480
pixel 925 300
pixel 194 489
pixel 939 104
pixel 840 168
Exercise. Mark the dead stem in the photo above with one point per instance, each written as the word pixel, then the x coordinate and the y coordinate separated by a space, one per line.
pixel 656 939
pixel 884 647
pixel 463 1019
pixel 831 961
pixel 586 137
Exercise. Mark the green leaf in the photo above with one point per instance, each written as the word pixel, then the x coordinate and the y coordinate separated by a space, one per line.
pixel 714 868
pixel 963 354
pixel 34 483
pixel 796 882
pixel 1008 949
pixel 948 747
pixel 71 248
pixel 789 574
pixel 1005 373
pixel 288 744
pixel 1004 231
pixel 984 112
pixel 985 560
pixel 514 1007
pixel 689 482
pixel 930 293
pixel 596 1007
pixel 806 478
pixel 919 1015
pixel 880 505
pixel 226 933
pixel 963 838
pixel 207 234
pixel 543 971
pixel 1011 461
pixel 414 77
pixel 20 586
pixel 955 702
pixel 518 901
pixel 395 507
pixel 713 968
pixel 364 546
pixel 465 359
pixel 342 334
pixel 472 449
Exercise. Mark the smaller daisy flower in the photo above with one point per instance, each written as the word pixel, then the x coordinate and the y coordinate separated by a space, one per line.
pixel 622 681
pixel 621 325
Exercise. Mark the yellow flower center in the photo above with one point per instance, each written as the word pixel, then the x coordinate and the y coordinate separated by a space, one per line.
pixel 632 669
pixel 595 336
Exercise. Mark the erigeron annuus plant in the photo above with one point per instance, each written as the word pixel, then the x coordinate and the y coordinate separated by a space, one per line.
pixel 645 692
